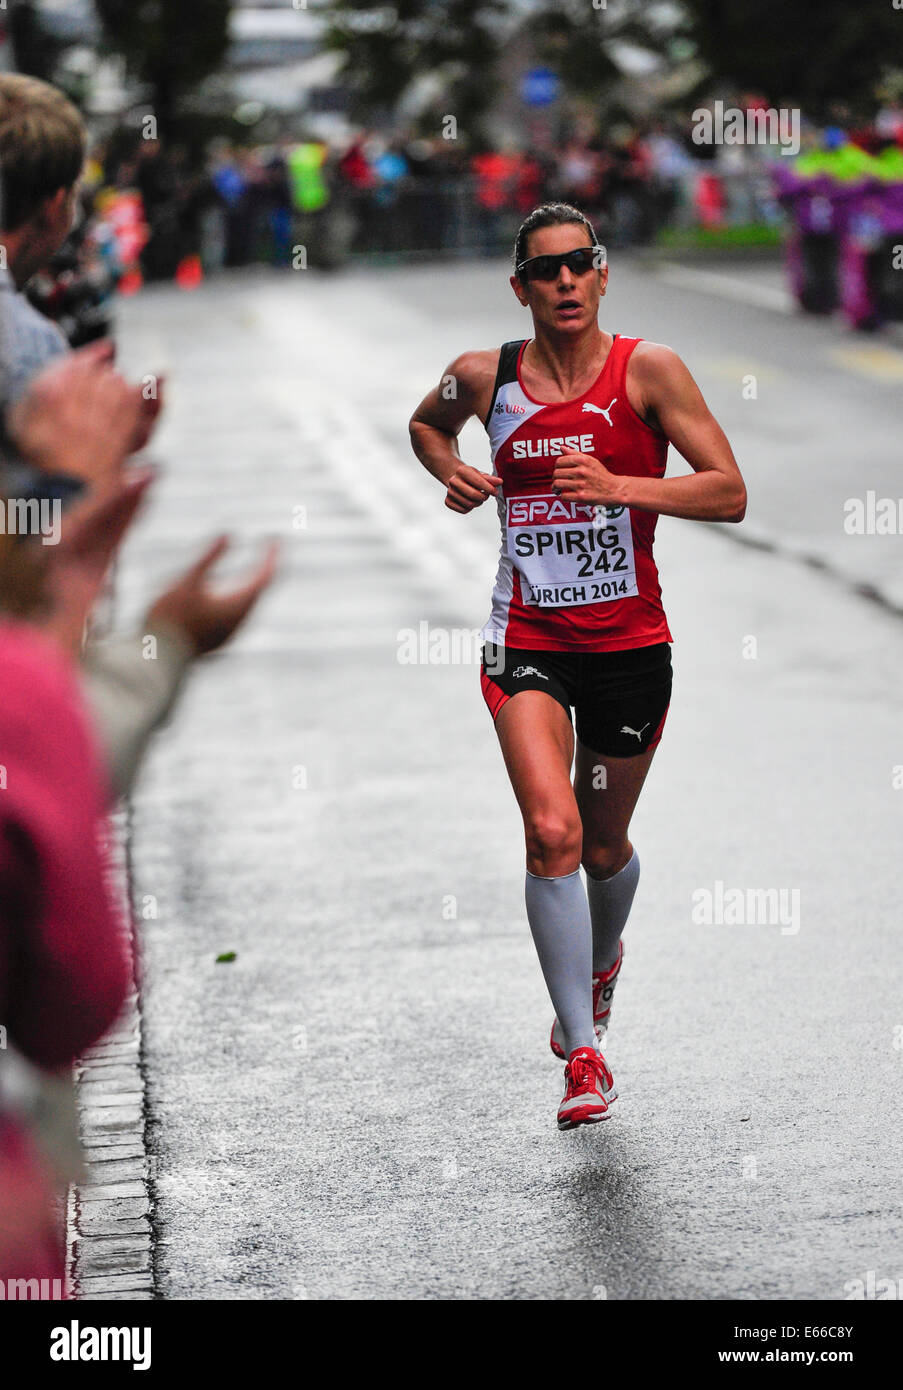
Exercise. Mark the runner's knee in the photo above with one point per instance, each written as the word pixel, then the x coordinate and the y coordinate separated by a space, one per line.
pixel 553 839
pixel 602 861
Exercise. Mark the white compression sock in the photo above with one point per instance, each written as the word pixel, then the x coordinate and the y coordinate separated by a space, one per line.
pixel 558 913
pixel 610 900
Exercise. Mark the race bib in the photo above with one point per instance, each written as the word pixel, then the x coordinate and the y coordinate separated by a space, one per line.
pixel 570 553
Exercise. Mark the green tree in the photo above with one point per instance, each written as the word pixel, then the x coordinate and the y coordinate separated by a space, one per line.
pixel 574 38
pixel 171 45
pixel 816 55
pixel 34 51
pixel 389 46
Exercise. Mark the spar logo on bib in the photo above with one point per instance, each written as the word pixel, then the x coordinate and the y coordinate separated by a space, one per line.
pixel 570 553
pixel 526 511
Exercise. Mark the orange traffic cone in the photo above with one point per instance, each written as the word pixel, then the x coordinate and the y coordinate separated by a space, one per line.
pixel 131 281
pixel 189 273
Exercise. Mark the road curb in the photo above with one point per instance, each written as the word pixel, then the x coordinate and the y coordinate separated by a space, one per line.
pixel 110 1213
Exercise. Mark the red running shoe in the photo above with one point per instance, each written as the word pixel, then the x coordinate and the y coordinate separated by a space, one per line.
pixel 589 1089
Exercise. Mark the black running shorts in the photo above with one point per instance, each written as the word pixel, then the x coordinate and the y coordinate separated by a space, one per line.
pixel 620 699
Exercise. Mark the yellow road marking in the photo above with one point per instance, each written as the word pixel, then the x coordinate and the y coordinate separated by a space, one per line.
pixel 880 363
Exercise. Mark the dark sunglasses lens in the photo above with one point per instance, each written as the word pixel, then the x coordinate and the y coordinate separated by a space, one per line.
pixel 579 262
pixel 547 267
pixel 543 267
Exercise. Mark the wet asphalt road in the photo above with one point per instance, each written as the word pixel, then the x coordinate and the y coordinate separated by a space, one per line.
pixel 362 1104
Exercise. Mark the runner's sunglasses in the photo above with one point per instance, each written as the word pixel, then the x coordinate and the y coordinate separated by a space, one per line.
pixel 547 267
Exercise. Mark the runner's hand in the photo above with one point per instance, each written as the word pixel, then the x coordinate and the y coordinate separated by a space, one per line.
pixel 582 478
pixel 469 488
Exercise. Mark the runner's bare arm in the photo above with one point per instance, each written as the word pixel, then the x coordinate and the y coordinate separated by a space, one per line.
pixel 465 390
pixel 664 394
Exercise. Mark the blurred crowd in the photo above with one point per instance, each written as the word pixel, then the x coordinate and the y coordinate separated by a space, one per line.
pixel 150 211
pixel 78 707
pixel 381 193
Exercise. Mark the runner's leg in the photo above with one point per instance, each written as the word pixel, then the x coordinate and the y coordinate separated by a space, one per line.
pixel 537 743
pixel 607 790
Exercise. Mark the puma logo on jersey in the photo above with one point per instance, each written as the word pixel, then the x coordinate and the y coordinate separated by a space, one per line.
pixel 528 671
pixel 626 729
pixel 588 407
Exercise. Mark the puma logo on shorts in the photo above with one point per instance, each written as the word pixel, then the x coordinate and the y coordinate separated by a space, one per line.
pixel 619 699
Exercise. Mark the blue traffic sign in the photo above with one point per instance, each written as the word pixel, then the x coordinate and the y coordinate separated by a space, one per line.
pixel 539 87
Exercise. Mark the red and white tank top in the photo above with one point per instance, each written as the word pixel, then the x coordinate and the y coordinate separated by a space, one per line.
pixel 572 577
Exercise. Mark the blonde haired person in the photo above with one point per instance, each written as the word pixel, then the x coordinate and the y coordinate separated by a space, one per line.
pixel 42 151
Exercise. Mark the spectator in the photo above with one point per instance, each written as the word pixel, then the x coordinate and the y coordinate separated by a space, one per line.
pixel 64 972
pixel 530 185
pixel 42 149
pixel 276 202
pixel 156 181
pixel 388 218
pixel 354 167
pixel 80 416
pixel 230 184
pixel 579 175
pixel 889 121
pixel 63 967
pixel 496 175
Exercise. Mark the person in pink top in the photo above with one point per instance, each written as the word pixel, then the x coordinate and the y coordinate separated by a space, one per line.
pixel 68 746
pixel 64 969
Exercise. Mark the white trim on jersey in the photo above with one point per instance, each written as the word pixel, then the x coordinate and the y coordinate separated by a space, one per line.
pixel 510 410
pixel 496 624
